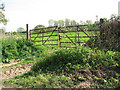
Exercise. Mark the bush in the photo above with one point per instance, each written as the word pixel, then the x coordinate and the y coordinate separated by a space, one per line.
pixel 18 49
pixel 109 39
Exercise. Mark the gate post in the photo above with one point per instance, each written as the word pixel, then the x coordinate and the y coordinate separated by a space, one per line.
pixel 118 46
pixel 59 44
pixel 118 26
pixel 27 32
pixel 101 30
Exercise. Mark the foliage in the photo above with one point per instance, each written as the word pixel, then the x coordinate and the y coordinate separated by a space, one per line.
pixel 20 29
pixel 2 16
pixel 110 38
pixel 51 22
pixel 2 31
pixel 18 49
pixel 2 6
pixel 61 23
pixel 67 68
pixel 39 26
pixel 63 58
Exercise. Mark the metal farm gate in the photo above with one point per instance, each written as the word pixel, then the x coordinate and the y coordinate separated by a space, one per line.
pixel 68 36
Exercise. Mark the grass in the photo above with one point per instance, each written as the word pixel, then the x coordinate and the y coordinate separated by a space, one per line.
pixel 67 68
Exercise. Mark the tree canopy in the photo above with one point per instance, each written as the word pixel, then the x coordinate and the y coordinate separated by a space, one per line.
pixel 20 29
pixel 2 16
pixel 39 26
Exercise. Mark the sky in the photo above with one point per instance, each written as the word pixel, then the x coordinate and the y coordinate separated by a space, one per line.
pixel 35 12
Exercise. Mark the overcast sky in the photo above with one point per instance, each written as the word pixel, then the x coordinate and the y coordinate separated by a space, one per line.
pixel 34 12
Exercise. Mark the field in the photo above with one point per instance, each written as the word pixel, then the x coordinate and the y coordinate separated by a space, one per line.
pixel 56 67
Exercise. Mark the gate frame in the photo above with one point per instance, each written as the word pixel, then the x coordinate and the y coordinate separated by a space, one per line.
pixel 58 29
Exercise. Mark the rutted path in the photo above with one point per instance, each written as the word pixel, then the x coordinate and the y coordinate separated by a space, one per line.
pixel 11 72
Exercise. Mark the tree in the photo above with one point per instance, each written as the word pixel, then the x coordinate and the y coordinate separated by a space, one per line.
pixel 2 19
pixel 2 6
pixel 81 22
pixel 51 22
pixel 60 23
pixel 67 22
pixel 2 16
pixel 73 22
pixel 39 26
pixel 55 23
pixel 88 22
pixel 114 17
pixel 20 29
pixel 3 29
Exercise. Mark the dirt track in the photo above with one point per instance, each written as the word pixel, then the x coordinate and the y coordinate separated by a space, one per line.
pixel 11 72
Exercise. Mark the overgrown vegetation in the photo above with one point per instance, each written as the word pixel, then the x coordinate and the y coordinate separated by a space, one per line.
pixel 18 49
pixel 109 38
pixel 70 67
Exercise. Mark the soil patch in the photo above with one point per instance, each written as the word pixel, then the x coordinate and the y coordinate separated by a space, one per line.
pixel 11 72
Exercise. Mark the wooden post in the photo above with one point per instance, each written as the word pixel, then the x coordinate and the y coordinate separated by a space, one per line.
pixel 78 35
pixel 101 30
pixel 118 26
pixel 42 37
pixel 30 35
pixel 118 46
pixel 75 37
pixel 27 31
pixel 59 44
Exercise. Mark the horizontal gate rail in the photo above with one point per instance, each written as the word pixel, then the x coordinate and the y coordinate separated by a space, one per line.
pixel 42 40
pixel 43 36
pixel 47 44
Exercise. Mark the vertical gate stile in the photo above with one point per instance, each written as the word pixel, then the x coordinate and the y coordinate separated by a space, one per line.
pixel 58 36
pixel 30 34
pixel 75 37
pixel 59 39
pixel 78 35
pixel 101 30
pixel 42 35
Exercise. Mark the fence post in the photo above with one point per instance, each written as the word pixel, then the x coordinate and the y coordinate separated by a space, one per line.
pixel 78 36
pixel 118 46
pixel 101 30
pixel 27 31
